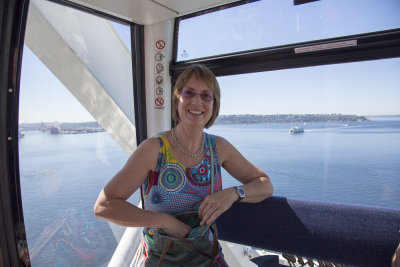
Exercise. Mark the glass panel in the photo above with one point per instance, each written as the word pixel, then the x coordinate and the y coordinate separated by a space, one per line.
pixel 269 23
pixel 338 158
pixel 66 157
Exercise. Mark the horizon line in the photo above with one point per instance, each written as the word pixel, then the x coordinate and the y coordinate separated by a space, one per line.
pixel 375 115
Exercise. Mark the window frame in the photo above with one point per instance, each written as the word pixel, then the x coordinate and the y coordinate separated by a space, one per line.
pixel 370 46
pixel 12 229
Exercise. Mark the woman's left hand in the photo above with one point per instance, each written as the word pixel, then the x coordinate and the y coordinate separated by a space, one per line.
pixel 216 204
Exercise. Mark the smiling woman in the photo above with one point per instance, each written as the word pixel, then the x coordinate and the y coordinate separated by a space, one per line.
pixel 187 172
pixel 272 58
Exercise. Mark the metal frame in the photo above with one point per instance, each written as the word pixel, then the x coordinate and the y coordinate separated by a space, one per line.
pixel 89 10
pixel 370 46
pixel 12 230
pixel 300 2
pixel 139 92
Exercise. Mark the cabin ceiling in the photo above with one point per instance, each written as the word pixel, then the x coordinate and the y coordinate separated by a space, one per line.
pixel 148 12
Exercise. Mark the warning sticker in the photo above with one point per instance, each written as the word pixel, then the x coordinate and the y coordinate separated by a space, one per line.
pixel 159 73
pixel 159 68
pixel 159 102
pixel 160 44
pixel 159 90
pixel 159 79
pixel 159 56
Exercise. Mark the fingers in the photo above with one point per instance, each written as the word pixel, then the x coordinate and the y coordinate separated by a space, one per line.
pixel 211 208
pixel 176 228
pixel 210 216
pixel 205 206
pixel 186 231
pixel 216 204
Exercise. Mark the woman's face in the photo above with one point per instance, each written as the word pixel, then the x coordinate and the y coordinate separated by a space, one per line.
pixel 195 103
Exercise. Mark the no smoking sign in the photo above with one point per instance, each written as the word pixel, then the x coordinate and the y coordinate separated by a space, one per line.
pixel 159 102
pixel 160 44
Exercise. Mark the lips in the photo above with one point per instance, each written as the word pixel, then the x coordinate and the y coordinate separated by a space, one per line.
pixel 195 112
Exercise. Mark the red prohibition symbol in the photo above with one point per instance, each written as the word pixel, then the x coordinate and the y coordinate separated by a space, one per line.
pixel 159 101
pixel 160 44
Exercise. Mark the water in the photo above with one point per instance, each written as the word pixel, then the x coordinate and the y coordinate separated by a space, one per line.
pixel 61 176
pixel 351 163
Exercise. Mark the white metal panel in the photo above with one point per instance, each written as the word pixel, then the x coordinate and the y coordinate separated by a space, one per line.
pixel 95 42
pixel 139 11
pixel 148 12
pixel 158 119
pixel 52 50
pixel 189 6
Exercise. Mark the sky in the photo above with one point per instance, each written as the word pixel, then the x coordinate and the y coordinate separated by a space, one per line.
pixel 365 88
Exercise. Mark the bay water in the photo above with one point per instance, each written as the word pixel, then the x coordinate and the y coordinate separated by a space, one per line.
pixel 61 175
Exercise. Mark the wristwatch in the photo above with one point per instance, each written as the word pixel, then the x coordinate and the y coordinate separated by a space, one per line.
pixel 240 192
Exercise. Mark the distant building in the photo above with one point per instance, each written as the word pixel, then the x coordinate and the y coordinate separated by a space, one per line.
pixel 54 130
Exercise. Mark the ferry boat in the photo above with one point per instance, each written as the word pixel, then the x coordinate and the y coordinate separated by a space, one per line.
pixel 296 129
pixel 125 84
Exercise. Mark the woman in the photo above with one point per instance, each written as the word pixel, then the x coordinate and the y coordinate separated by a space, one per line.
pixel 174 168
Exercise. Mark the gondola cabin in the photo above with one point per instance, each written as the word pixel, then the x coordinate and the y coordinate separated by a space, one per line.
pixel 83 82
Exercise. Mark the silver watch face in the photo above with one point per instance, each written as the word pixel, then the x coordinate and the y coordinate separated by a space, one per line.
pixel 240 192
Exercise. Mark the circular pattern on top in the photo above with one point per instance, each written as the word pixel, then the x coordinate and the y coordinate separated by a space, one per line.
pixel 157 200
pixel 172 177
pixel 200 175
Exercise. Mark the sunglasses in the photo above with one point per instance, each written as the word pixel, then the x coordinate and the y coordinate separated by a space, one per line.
pixel 205 96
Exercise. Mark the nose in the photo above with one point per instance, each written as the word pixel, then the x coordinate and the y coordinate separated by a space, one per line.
pixel 197 98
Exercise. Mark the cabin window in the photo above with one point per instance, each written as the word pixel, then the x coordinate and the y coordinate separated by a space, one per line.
pixel 349 151
pixel 75 67
pixel 269 23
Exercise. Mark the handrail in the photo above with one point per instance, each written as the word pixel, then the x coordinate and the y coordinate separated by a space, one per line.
pixel 344 234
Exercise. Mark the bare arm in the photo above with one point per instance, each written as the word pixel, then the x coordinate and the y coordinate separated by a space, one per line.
pixel 256 183
pixel 396 258
pixel 111 203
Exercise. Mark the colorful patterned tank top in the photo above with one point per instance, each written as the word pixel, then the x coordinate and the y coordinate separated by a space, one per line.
pixel 173 188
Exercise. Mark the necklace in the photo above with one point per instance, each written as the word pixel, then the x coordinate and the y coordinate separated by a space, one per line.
pixel 183 150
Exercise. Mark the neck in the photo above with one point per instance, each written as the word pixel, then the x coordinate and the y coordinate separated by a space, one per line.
pixel 189 137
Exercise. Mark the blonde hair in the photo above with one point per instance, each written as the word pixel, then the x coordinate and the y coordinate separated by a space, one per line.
pixel 205 74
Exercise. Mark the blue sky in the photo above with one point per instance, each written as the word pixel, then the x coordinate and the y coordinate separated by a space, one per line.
pixel 365 88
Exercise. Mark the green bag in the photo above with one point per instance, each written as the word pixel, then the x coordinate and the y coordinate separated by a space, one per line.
pixel 194 250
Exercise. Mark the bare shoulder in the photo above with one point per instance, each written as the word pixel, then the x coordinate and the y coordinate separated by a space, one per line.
pixel 224 147
pixel 221 142
pixel 134 172
pixel 142 160
pixel 146 153
pixel 151 144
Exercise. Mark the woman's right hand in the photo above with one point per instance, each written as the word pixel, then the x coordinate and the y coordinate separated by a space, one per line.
pixel 174 227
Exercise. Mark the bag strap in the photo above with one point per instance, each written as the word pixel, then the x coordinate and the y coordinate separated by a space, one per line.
pixel 193 247
pixel 212 164
pixel 214 252
pixel 213 228
pixel 149 174
pixel 167 247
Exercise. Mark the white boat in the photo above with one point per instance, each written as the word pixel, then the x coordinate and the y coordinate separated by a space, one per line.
pixel 296 129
